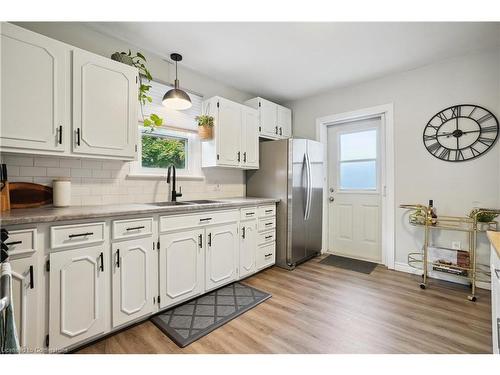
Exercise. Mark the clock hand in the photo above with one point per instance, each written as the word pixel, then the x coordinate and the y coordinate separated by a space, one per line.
pixel 451 133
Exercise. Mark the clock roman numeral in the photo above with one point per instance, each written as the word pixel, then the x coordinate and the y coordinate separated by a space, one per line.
pixel 455 111
pixel 434 147
pixel 445 154
pixel 459 155
pixel 489 129
pixel 430 137
pixel 442 117
pixel 486 117
pixel 485 141
pixel 474 151
pixel 471 112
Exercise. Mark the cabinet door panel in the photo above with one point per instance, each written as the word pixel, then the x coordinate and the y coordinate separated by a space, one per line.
pixel 132 269
pixel 77 295
pixel 104 106
pixel 25 298
pixel 221 255
pixel 33 91
pixel 248 247
pixel 228 129
pixel 268 118
pixel 181 266
pixel 250 139
pixel 284 122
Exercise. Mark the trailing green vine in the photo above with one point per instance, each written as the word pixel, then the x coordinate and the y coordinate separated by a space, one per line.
pixel 138 61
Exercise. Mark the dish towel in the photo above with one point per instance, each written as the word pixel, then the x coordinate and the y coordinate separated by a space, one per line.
pixel 8 336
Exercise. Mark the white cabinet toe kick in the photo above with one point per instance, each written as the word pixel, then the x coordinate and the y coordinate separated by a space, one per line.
pixel 78 281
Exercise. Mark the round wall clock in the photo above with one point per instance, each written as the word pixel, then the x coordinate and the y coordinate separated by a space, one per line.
pixel 461 132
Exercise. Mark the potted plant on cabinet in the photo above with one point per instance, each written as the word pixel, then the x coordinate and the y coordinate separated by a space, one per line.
pixel 138 61
pixel 205 126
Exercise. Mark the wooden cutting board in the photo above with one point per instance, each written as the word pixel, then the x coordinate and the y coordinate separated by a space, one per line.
pixel 29 195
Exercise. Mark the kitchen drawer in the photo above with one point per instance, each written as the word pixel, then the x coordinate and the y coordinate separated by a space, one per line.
pixel 132 228
pixel 175 222
pixel 266 211
pixel 266 224
pixel 266 237
pixel 248 213
pixel 76 235
pixel 266 256
pixel 21 241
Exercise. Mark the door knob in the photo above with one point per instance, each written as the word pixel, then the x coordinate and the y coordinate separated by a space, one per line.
pixel 331 199
pixel 332 190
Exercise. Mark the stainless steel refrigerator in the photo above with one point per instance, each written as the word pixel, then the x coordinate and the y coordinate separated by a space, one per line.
pixel 292 170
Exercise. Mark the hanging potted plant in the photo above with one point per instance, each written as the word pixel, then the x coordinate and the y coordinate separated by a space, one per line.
pixel 205 126
pixel 138 61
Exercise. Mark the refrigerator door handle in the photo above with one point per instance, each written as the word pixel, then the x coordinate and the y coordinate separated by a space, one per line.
pixel 309 185
pixel 308 188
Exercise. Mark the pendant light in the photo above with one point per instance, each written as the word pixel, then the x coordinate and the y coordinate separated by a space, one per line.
pixel 176 98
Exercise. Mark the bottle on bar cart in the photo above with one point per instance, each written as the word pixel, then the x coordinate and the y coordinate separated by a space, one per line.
pixel 431 214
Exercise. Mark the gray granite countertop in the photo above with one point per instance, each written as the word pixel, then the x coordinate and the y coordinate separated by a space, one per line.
pixel 49 213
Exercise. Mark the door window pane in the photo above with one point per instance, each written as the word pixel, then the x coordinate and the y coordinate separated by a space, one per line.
pixel 358 175
pixel 359 145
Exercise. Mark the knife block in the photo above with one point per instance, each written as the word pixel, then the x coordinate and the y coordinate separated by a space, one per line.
pixel 5 198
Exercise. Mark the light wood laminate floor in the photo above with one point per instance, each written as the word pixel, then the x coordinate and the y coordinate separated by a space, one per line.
pixel 323 309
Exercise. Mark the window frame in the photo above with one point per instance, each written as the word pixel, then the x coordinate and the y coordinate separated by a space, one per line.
pixel 378 176
pixel 193 155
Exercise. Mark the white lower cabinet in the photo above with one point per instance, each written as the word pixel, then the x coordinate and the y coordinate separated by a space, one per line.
pixel 79 295
pixel 495 300
pixel 132 285
pixel 248 245
pixel 221 255
pixel 181 265
pixel 25 296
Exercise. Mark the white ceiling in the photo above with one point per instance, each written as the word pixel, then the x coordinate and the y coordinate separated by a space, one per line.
pixel 287 61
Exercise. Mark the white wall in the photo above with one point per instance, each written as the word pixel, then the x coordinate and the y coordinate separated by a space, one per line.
pixel 417 95
pixel 104 182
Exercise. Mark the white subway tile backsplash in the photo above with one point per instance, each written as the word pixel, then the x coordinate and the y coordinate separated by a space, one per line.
pixel 32 171
pixel 58 172
pixel 97 182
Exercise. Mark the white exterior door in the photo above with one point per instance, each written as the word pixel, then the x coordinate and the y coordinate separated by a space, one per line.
pixel 34 91
pixel 268 118
pixel 78 298
pixel 228 133
pixel 104 106
pixel 250 138
pixel 25 298
pixel 354 188
pixel 132 281
pixel 181 265
pixel 248 247
pixel 284 122
pixel 221 255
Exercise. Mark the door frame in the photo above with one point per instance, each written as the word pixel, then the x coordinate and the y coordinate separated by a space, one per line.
pixel 386 113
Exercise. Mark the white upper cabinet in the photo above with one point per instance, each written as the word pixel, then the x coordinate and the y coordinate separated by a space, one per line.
pixel 250 138
pixel 275 121
pixel 104 106
pixel 284 122
pixel 40 114
pixel 34 91
pixel 235 140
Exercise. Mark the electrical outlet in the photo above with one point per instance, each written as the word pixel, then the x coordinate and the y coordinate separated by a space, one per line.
pixel 456 245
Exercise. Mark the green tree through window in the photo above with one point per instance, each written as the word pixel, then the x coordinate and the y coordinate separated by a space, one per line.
pixel 161 152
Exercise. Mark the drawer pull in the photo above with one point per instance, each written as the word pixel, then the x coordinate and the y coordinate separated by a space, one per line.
pixel 268 237
pixel 200 241
pixel 13 243
pixel 206 219
pixel 497 272
pixel 268 255
pixel 249 213
pixel 101 257
pixel 266 224
pixel 210 239
pixel 243 232
pixel 81 234
pixel 136 228
pixel 268 211
pixel 32 282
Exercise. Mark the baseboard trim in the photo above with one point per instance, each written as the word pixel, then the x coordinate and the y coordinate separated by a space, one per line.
pixel 404 267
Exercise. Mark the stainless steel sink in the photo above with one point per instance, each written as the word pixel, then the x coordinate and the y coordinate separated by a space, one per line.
pixel 172 203
pixel 202 201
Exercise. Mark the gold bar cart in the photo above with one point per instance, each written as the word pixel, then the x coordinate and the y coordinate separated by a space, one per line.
pixel 421 216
